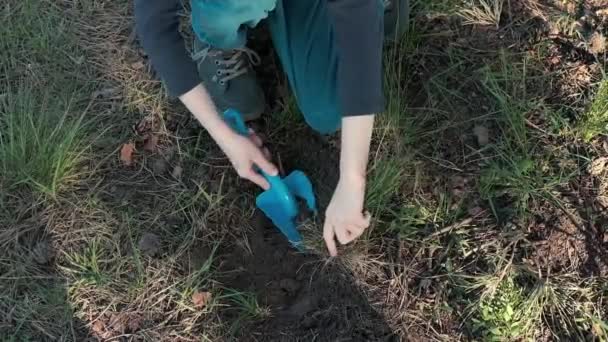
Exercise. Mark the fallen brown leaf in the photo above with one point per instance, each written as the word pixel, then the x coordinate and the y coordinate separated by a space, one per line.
pixel 98 327
pixel 597 43
pixel 126 153
pixel 200 299
pixel 597 166
pixel 118 322
pixel 135 323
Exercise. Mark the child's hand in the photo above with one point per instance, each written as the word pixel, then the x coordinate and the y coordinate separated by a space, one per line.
pixel 344 218
pixel 245 153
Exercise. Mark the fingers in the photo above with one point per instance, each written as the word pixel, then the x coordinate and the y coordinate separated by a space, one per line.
pixel 250 174
pixel 265 165
pixel 346 232
pixel 354 231
pixel 365 220
pixel 259 180
pixel 256 138
pixel 266 153
pixel 328 236
pixel 262 161
pixel 342 235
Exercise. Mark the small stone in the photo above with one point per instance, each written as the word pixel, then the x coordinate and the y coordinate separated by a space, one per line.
pixel 159 166
pixel 177 172
pixel 149 244
pixel 43 252
pixel 135 323
pixel 289 285
pixel 482 134
pixel 138 65
pixel 105 93
pixel 475 211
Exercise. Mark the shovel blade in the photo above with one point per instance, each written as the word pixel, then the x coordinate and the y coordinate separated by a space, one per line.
pixel 272 207
pixel 299 185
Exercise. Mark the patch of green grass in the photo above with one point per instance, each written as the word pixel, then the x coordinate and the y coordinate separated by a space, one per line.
pixel 88 267
pixel 424 215
pixel 520 168
pixel 247 304
pixel 437 6
pixel 289 116
pixel 595 120
pixel 40 45
pixel 197 280
pixel 567 24
pixel 42 86
pixel 30 313
pixel 41 145
pixel 384 181
pixel 502 315
pixel 514 304
pixel 396 125
pixel 248 308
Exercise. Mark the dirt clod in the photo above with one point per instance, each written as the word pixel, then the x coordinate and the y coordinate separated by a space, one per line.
pixel 177 172
pixel 483 135
pixel 296 292
pixel 149 244
pixel 43 252
pixel 105 93
pixel 159 166
pixel 151 143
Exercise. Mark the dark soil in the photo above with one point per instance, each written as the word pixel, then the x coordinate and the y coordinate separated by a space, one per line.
pixel 309 299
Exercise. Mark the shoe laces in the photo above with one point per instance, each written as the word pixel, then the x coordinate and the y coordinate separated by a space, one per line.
pixel 230 63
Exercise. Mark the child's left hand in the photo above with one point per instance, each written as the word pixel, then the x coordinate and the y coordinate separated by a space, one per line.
pixel 344 218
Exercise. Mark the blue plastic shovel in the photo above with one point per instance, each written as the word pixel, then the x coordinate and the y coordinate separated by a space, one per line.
pixel 279 202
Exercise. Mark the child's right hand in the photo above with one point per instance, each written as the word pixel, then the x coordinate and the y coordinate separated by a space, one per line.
pixel 245 153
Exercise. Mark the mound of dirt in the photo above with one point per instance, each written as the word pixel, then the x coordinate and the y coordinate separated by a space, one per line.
pixel 308 300
pixel 567 243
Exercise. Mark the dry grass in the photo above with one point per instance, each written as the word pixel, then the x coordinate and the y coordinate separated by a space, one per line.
pixel 483 12
pixel 453 252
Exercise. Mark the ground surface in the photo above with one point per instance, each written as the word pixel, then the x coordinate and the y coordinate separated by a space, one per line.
pixel 120 220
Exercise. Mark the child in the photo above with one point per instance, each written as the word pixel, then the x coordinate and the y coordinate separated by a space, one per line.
pixel 331 51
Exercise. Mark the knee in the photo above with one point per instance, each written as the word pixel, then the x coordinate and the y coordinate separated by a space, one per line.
pixel 322 116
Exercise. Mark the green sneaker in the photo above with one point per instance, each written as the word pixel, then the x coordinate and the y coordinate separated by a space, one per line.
pixel 229 78
pixel 396 18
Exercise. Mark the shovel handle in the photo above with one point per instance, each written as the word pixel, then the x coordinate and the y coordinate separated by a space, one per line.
pixel 236 122
pixel 234 119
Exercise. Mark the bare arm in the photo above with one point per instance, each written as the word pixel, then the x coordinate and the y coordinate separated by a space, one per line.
pixel 243 152
pixel 201 106
pixel 344 218
pixel 356 138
